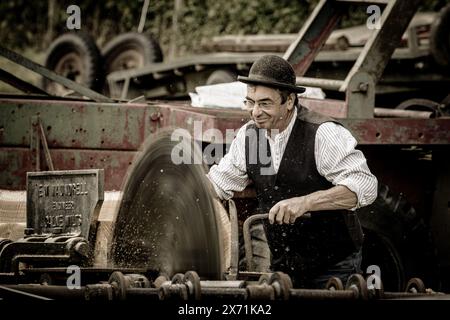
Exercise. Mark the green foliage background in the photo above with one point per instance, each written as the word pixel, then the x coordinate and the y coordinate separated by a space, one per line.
pixel 24 24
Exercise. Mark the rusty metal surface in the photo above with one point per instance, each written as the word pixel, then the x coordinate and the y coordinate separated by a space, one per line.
pixel 81 125
pixel 313 35
pixel 15 162
pixel 360 95
pixel 400 131
pixel 379 48
pixel 64 202
pixel 330 107
pixel 76 125
pixel 85 125
pixel 83 135
pixel 199 120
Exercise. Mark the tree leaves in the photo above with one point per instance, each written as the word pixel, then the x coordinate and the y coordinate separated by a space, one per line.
pixel 24 23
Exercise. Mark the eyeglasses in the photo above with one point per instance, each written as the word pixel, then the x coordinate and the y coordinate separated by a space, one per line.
pixel 266 104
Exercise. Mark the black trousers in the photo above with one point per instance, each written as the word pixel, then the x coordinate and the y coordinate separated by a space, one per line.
pixel 342 270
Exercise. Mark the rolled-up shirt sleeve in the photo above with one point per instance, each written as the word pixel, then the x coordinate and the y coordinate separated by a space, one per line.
pixel 230 174
pixel 340 163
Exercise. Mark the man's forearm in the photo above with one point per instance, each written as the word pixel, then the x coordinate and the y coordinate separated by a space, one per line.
pixel 335 198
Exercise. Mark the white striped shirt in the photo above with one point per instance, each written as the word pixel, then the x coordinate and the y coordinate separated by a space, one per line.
pixel 336 159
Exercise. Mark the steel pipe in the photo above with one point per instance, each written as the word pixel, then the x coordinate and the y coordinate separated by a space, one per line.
pixel 147 293
pixel 398 113
pixel 330 84
pixel 398 295
pixel 224 293
pixel 318 294
pixel 49 291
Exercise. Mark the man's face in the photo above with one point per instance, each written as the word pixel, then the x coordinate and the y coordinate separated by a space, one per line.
pixel 266 109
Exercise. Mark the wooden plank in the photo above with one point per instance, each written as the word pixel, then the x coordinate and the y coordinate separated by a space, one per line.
pixel 13 206
pixel 12 231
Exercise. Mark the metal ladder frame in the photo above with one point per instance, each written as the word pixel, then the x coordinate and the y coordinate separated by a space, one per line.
pixel 359 84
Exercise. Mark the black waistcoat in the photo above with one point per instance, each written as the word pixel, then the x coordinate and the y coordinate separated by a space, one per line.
pixel 311 245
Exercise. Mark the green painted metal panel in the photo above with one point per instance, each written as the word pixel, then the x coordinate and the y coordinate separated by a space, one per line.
pixel 76 124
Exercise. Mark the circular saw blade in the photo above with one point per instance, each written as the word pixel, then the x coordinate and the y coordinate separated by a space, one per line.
pixel 167 220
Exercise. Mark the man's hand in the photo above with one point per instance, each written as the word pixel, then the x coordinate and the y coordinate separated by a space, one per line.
pixel 335 198
pixel 287 211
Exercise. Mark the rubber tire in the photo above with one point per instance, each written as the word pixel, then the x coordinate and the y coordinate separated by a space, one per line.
pixel 261 251
pixel 83 45
pixel 440 38
pixel 399 241
pixel 221 76
pixel 144 44
pixel 421 105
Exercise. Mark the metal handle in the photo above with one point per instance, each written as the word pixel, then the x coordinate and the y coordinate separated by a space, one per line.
pixel 234 250
pixel 247 236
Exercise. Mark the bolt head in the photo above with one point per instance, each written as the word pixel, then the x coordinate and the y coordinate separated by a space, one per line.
pixel 363 87
pixel 155 116
pixel 82 248
pixel 28 231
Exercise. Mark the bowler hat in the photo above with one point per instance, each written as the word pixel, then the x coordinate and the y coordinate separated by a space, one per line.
pixel 272 71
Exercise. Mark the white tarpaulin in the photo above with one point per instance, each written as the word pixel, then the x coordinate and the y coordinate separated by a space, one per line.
pixel 232 95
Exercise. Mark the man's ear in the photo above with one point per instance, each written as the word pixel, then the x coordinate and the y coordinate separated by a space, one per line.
pixel 290 101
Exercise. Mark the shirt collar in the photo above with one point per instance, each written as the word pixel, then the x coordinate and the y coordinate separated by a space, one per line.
pixel 286 132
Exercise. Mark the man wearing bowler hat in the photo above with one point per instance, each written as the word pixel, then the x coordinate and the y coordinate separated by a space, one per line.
pixel 313 169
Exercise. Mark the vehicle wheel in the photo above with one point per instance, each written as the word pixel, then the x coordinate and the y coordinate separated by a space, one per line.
pixel 398 241
pixel 261 251
pixel 440 38
pixel 421 105
pixel 76 57
pixel 221 76
pixel 130 50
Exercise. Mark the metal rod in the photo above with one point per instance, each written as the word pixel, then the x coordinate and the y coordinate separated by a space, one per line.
pixel 49 291
pixel 222 284
pixel 330 84
pixel 234 260
pixel 396 295
pixel 380 46
pixel 316 29
pixel 143 16
pixel 229 293
pixel 48 157
pixel 364 1
pixel 35 143
pixel 398 113
pixel 35 67
pixel 208 290
pixel 176 290
pixel 143 292
pixel 318 294
pixel 17 83
pixel 248 238
pixel 22 293
pixel 124 93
